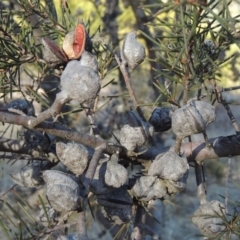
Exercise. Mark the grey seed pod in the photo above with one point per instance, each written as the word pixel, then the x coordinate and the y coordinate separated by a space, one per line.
pixel 97 185
pixel 74 156
pixel 52 54
pixel 52 214
pixel 161 119
pixel 116 175
pixel 30 176
pixel 207 220
pixel 149 188
pixel 63 193
pixel 89 60
pixel 22 105
pixel 132 51
pixel 176 186
pixel 79 82
pixel 117 205
pixel 135 133
pixel 192 118
pixel 169 165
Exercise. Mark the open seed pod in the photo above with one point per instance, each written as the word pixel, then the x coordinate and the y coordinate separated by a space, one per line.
pixel 52 54
pixel 74 42
pixel 161 119
pixel 132 51
pixel 97 185
pixel 22 105
pixel 74 156
pixel 116 175
pixel 149 188
pixel 63 193
pixel 117 205
pixel 79 82
pixel 192 118
pixel 169 165
pixel 207 220
pixel 30 176
pixel 135 133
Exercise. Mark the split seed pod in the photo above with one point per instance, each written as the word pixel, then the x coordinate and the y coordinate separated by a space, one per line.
pixel 74 42
pixel 63 192
pixel 52 54
pixel 149 188
pixel 80 83
pixel 117 205
pixel 74 156
pixel 161 119
pixel 168 165
pixel 135 133
pixel 207 220
pixel 22 105
pixel 132 51
pixel 30 176
pixel 192 118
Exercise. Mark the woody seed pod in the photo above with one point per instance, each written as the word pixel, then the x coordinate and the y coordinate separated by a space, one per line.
pixel 205 217
pixel 148 188
pixel 63 193
pixel 135 133
pixel 168 165
pixel 161 119
pixel 132 51
pixel 117 205
pixel 192 118
pixel 31 175
pixel 79 82
pixel 89 60
pixel 74 156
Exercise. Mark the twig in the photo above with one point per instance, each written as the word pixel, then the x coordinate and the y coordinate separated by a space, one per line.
pixel 200 183
pixel 228 173
pixel 129 86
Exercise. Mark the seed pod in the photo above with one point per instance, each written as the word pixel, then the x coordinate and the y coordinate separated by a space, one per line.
pixel 74 42
pixel 63 193
pixel 149 188
pixel 117 205
pixel 80 83
pixel 132 51
pixel 52 54
pixel 207 220
pixel 135 133
pixel 161 119
pixel 89 60
pixel 22 105
pixel 192 118
pixel 74 156
pixel 116 175
pixel 168 165
pixel 31 175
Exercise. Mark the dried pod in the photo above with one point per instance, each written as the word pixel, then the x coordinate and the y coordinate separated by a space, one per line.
pixel 168 165
pixel 74 42
pixel 117 205
pixel 89 60
pixel 206 217
pixel 192 118
pixel 74 156
pixel 22 105
pixel 63 193
pixel 80 83
pixel 132 51
pixel 52 54
pixel 31 175
pixel 116 175
pixel 149 188
pixel 97 185
pixel 161 119
pixel 52 214
pixel 176 186
pixel 135 133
